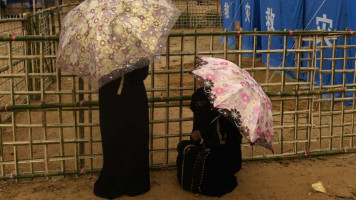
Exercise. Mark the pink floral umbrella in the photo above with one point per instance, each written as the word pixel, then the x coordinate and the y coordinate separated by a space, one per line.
pixel 238 97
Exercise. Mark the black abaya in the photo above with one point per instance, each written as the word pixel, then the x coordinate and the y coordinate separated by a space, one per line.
pixel 209 168
pixel 124 131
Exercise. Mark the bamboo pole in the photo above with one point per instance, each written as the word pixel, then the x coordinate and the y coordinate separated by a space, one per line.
pixel 296 116
pixel 167 94
pixel 29 88
pixel 268 61
pixel 254 54
pixel 284 61
pixel 217 33
pixel 81 129
pixel 226 40
pixel 34 6
pixel 60 118
pixel 195 55
pixel 2 151
pixel 181 86
pixel 13 119
pixel 353 108
pixel 159 136
pixel 211 44
pixel 311 103
pixel 237 40
pixel 321 87
pixel 75 127
pixel 275 157
pixel 343 94
pixel 240 48
pixel 331 131
pixel 90 120
pixel 152 110
pixel 158 99
pixel 44 114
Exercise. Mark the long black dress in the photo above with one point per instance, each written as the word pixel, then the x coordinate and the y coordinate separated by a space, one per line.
pixel 124 131
pixel 209 168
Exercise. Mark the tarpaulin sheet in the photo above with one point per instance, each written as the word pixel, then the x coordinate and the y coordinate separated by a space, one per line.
pixel 250 19
pixel 231 12
pixel 271 19
pixel 329 15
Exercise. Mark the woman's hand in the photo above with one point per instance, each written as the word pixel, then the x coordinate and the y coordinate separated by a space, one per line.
pixel 196 136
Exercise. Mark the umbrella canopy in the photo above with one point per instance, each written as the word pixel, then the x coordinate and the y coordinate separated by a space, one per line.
pixel 104 39
pixel 238 97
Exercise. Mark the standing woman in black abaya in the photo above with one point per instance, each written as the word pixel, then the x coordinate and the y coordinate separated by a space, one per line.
pixel 102 40
pixel 124 131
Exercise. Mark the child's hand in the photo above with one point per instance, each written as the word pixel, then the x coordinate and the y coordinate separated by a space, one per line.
pixel 196 136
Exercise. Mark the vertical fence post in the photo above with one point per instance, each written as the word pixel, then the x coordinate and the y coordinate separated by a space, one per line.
pixel 284 62
pixel 59 15
pixel 34 6
pixel 195 56
pixel 167 108
pixel 13 118
pixel 37 52
pixel 268 61
pixel 76 146
pixel 60 118
pixel 188 16
pixel 310 120
pixel 240 48
pixel 321 87
pixel 332 95
pixel 343 93
pixel 43 100
pixel 219 23
pixel 2 166
pixel 298 42
pixel 226 41
pixel 81 120
pixel 90 119
pixel 181 88
pixel 353 108
pixel 237 40
pixel 254 54
pixel 152 111
pixel 28 31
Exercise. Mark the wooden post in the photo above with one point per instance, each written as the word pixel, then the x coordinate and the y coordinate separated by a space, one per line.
pixel 297 46
pixel 81 128
pixel 34 6
pixel 237 28
pixel 188 17
pixel 28 31
pixel 58 3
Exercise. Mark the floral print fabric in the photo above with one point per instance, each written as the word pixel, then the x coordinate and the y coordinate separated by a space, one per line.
pixel 104 39
pixel 236 95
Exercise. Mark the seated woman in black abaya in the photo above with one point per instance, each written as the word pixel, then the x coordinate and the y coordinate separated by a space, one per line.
pixel 207 164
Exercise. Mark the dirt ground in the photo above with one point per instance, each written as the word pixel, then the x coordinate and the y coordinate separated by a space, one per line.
pixel 275 180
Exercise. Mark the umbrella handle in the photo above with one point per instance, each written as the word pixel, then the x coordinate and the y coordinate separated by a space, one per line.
pixel 221 139
pixel 121 85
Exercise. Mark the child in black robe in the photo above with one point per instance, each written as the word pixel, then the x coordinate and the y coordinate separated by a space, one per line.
pixel 208 162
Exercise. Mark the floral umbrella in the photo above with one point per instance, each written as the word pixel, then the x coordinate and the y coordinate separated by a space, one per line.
pixel 237 96
pixel 104 39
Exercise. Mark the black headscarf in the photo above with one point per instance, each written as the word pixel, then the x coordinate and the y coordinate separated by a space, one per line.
pixel 204 117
